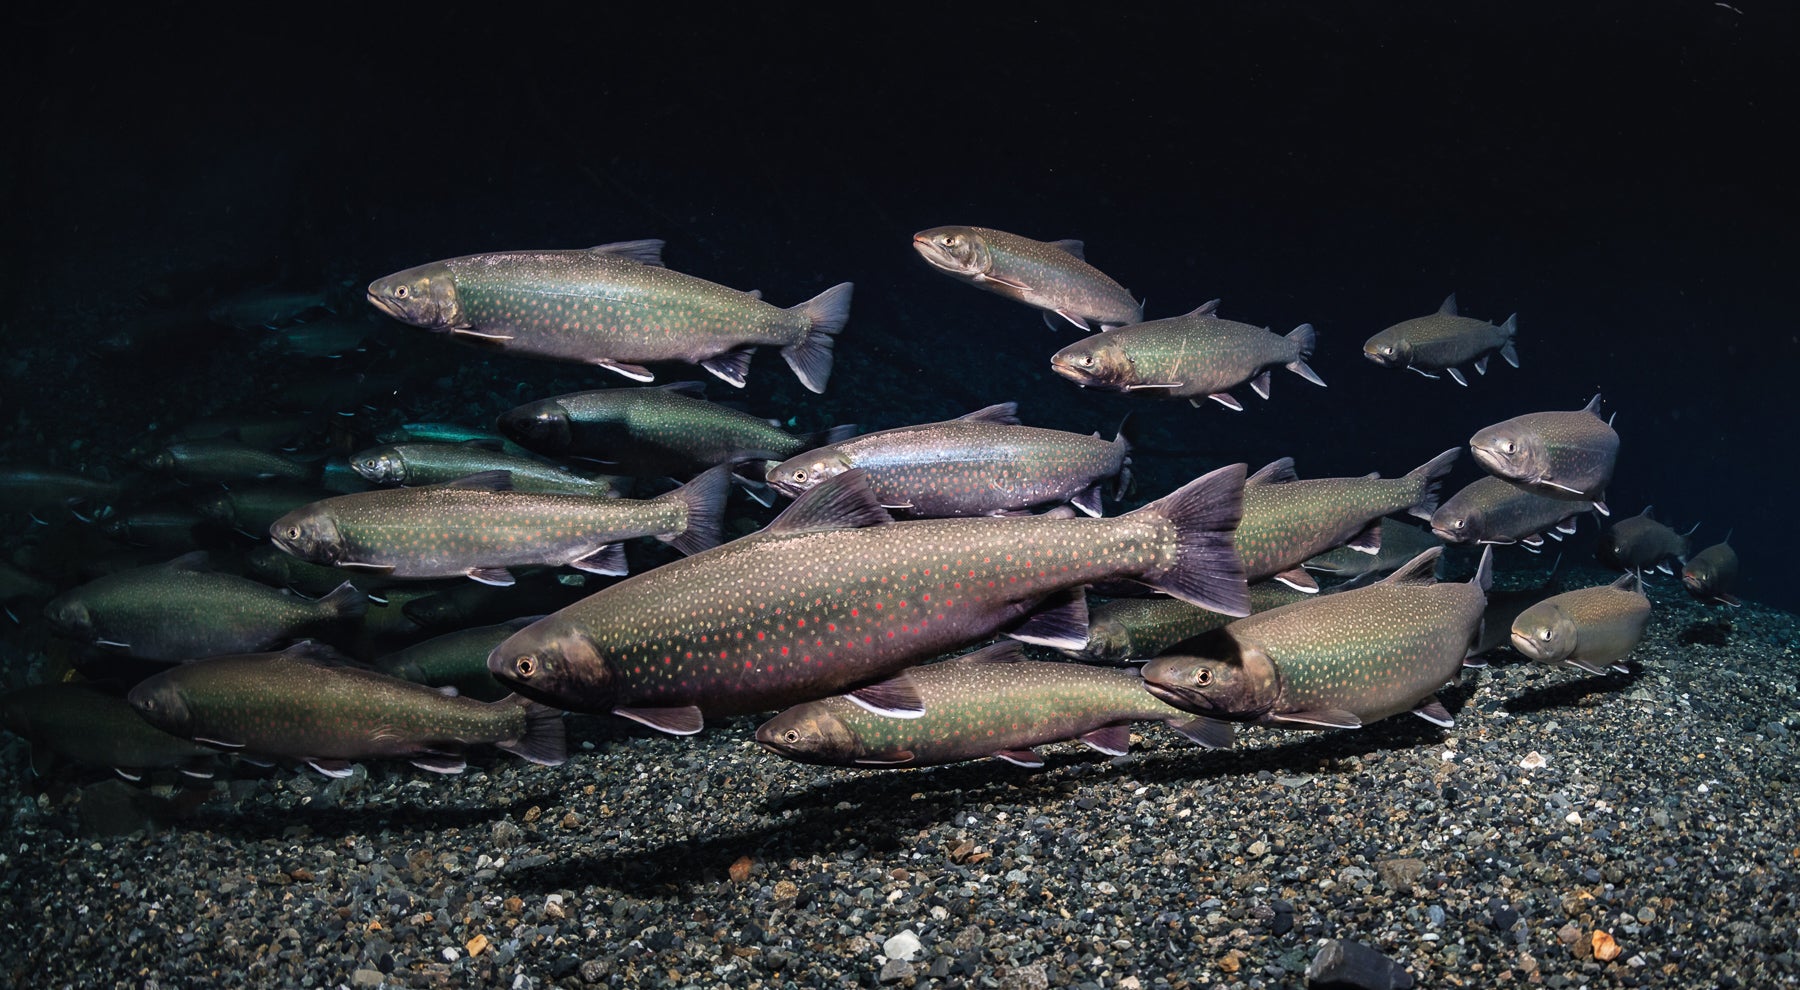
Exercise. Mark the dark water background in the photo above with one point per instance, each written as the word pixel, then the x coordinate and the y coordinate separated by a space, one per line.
pixel 1616 175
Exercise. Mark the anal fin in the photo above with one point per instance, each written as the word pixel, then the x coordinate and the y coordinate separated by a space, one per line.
pixel 685 720
pixel 1027 758
pixel 1432 710
pixel 1297 579
pixel 608 560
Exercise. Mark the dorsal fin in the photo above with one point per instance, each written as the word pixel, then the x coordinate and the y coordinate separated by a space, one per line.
pixel 311 651
pixel 1419 570
pixel 999 412
pixel 1629 581
pixel 1484 571
pixel 644 252
pixel 1449 306
pixel 198 560
pixel 840 502
pixel 1593 405
pixel 695 390
pixel 1005 651
pixel 1206 310
pixel 1275 472
pixel 1072 246
pixel 1646 513
pixel 485 481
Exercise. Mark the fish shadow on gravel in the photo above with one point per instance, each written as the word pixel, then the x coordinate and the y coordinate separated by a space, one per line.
pixel 1574 693
pixel 431 811
pixel 1708 632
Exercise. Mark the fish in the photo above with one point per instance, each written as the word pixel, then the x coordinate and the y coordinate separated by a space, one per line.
pixel 835 597
pixel 479 527
pixel 455 659
pixel 1288 521
pixel 171 527
pixel 1444 342
pixel 1052 276
pixel 1589 629
pixel 1640 543
pixel 1129 630
pixel 306 704
pixel 272 565
pixel 266 308
pixel 1339 661
pixel 984 463
pixel 20 587
pixel 85 725
pixel 1495 510
pixel 180 611
pixel 33 488
pixel 1566 455
pixel 252 509
pixel 990 703
pixel 1710 574
pixel 670 429
pixel 1505 604
pixel 223 459
pixel 416 464
pixel 1194 357
pixel 612 306
pixel 450 433
pixel 324 339
pixel 1399 543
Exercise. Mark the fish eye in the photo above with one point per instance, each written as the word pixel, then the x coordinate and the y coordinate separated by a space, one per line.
pixel 1203 677
pixel 293 532
pixel 400 292
pixel 800 475
pixel 1459 524
pixel 149 704
pixel 525 665
pixel 952 240
pixel 1084 359
pixel 791 735
pixel 1544 634
pixel 1507 446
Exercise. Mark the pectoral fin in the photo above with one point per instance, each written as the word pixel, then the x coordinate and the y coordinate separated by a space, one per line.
pixel 685 720
pixel 1297 579
pixel 497 338
pixel 1011 283
pixel 635 372
pixel 1319 718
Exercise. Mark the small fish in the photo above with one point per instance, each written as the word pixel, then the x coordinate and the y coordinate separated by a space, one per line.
pixel 252 509
pixel 1711 573
pixel 305 704
pixel 170 527
pixel 181 611
pixel 1504 606
pixel 32 488
pixel 1399 543
pixel 268 308
pixel 324 339
pixel 835 597
pixel 1194 357
pixel 981 464
pixel 478 527
pixel 1132 630
pixel 271 565
pixel 455 659
pixel 85 725
pixel 1339 661
pixel 449 433
pixel 226 460
pixel 670 429
pixel 1567 455
pixel 1495 510
pixel 613 306
pixel 1590 629
pixel 1288 521
pixel 1444 341
pixel 1640 543
pixel 1053 276
pixel 416 464
pixel 990 703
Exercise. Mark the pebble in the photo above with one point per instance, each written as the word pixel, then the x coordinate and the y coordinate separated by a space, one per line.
pixel 904 946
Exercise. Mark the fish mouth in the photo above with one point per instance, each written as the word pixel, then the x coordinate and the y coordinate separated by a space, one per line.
pixel 1181 698
pixel 1489 458
pixel 386 305
pixel 1072 373
pixel 1526 646
pixel 1446 535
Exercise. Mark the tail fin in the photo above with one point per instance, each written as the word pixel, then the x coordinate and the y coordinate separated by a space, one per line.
pixel 1125 439
pixel 344 602
pixel 825 438
pixel 1428 476
pixel 825 314
pixel 705 499
pixel 543 741
pixel 1207 570
pixel 1306 338
pixel 1507 350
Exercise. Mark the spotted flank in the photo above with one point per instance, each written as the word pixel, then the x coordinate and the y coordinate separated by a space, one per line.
pixel 1053 276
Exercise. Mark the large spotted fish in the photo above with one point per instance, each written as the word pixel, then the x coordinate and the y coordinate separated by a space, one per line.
pixel 1566 455
pixel 1053 276
pixel 1442 342
pixel 614 306
pixel 1495 510
pixel 835 597
pixel 1589 629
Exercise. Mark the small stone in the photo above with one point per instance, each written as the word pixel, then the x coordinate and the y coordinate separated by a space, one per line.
pixel 1568 933
pixel 533 813
pixel 476 945
pixel 740 869
pixel 786 890
pixel 366 978
pixel 1030 977
pixel 1573 818
pixel 1646 915
pixel 553 907
pixel 1533 761
pixel 1400 873
pixel 1605 948
pixel 571 821
pixel 300 874
pixel 904 946
pixel 1231 961
pixel 1353 964
pixel 1258 847
pixel 512 905
pixel 895 970
pixel 593 971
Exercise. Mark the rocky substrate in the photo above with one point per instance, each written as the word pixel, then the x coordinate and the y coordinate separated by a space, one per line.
pixel 1629 830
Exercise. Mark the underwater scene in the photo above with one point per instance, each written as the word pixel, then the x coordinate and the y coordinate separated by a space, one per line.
pixel 1242 495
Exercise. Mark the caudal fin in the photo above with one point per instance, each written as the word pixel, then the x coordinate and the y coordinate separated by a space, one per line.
pixel 705 500
pixel 1508 350
pixel 825 314
pixel 1305 338
pixel 1207 571
pixel 1428 476
pixel 543 741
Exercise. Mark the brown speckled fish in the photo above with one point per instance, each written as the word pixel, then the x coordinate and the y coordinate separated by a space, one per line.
pixel 1444 341
pixel 1711 573
pixel 415 464
pixel 835 597
pixel 305 704
pixel 1495 510
pixel 478 527
pixel 613 306
pixel 1126 630
pixel 1590 629
pixel 1194 357
pixel 981 464
pixel 83 724
pixel 990 703
pixel 1640 543
pixel 1567 455
pixel 1053 276
pixel 1336 662
pixel 1288 521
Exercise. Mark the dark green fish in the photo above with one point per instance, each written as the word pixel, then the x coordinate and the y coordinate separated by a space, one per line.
pixel 455 659
pixel 1495 510
pixel 1399 543
pixel 1288 521
pixel 85 725
pixel 1335 662
pixel 170 527
pixel 671 429
pixel 181 611
pixel 1640 543
pixel 1189 357
pixel 226 460
pixel 1711 573
pixel 1567 455
pixel 267 308
pixel 1126 630
pixel 18 587
pixel 478 527
pixel 613 306
pixel 1589 629
pixel 990 703
pixel 32 488
pixel 835 597
pixel 329 338
pixel 303 704
pixel 1053 276
pixel 415 464
pixel 981 464
pixel 1444 341
pixel 252 509
pixel 272 565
